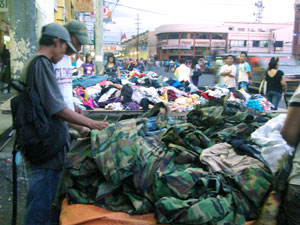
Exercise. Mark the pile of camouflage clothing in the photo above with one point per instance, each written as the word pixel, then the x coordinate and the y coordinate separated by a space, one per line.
pixel 205 171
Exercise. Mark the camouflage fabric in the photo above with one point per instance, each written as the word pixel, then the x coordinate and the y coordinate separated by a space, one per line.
pixel 122 168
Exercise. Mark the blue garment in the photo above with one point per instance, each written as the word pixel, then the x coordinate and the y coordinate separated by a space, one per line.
pixel 42 189
pixel 151 123
pixel 89 81
pixel 274 97
pixel 244 85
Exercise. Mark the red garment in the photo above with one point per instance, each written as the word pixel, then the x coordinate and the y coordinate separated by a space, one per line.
pixel 171 95
pixel 206 96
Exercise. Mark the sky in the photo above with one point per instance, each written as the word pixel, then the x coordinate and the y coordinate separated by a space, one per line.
pixel 154 13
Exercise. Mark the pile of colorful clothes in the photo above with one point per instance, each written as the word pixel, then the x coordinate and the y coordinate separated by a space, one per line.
pixel 209 170
pixel 137 91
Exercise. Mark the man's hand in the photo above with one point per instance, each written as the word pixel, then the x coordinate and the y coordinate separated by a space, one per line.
pixel 98 125
pixel 78 109
pixel 84 131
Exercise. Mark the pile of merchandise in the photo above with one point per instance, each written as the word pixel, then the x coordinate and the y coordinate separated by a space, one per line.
pixel 136 91
pixel 216 168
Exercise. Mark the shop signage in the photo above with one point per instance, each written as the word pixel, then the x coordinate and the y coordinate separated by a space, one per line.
pixel 176 47
pixel 218 43
pixel 3 5
pixel 186 42
pixel 107 15
pixel 162 43
pixel 144 47
pixel 202 43
pixel 83 5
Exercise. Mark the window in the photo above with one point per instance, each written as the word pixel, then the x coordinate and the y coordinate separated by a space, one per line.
pixel 260 44
pixel 173 36
pixel 230 28
pixel 186 35
pixel 251 29
pixel 202 36
pixel 162 37
pixel 241 29
pixel 238 43
pixel 261 30
pixel 278 44
pixel 255 43
pixel 219 36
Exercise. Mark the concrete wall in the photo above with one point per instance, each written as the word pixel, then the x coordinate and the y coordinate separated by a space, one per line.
pixel 44 14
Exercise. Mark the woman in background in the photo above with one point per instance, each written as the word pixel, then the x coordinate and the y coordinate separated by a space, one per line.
pixel 88 68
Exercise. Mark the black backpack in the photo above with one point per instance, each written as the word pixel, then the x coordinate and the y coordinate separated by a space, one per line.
pixel 38 136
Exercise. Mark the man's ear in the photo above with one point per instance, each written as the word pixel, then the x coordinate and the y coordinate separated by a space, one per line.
pixel 56 42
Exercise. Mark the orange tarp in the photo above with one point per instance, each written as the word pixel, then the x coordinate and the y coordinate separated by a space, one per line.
pixel 79 214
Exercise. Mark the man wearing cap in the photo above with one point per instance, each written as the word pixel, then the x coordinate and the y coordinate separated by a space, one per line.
pixel 43 177
pixel 63 69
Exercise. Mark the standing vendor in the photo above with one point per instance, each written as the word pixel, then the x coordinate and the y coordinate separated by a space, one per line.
pixel 111 68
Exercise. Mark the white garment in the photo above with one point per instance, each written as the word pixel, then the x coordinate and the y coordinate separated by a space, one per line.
pixel 79 63
pixel 218 92
pixel 141 92
pixel 274 147
pixel 63 73
pixel 227 80
pixel 184 73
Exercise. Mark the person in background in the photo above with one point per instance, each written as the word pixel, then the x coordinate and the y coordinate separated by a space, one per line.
pixel 245 74
pixel 88 68
pixel 140 65
pixel 43 178
pixel 228 71
pixel 183 73
pixel 276 85
pixel 111 68
pixel 167 65
pixel 6 71
pixel 195 71
pixel 291 133
pixel 79 63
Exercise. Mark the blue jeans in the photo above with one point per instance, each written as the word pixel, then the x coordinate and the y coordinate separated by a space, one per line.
pixel 274 97
pixel 42 189
pixel 244 85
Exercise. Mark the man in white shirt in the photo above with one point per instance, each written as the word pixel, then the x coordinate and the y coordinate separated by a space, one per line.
pixel 183 73
pixel 245 74
pixel 228 71
pixel 79 62
pixel 63 69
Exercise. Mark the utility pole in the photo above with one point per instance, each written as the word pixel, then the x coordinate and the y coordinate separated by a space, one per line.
pixel 23 39
pixel 260 8
pixel 137 36
pixel 99 36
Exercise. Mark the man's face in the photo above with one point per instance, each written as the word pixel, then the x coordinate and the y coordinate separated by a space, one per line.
pixel 76 43
pixel 243 58
pixel 81 56
pixel 229 60
pixel 59 50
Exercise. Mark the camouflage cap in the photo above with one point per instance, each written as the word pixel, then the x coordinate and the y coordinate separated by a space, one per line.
pixel 79 30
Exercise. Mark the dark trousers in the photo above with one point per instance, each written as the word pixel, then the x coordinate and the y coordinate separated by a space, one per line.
pixel 42 189
pixel 195 80
pixel 274 97
pixel 292 204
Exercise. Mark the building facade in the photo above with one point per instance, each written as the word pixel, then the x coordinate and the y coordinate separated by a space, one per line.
pixel 296 36
pixel 146 47
pixel 190 41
